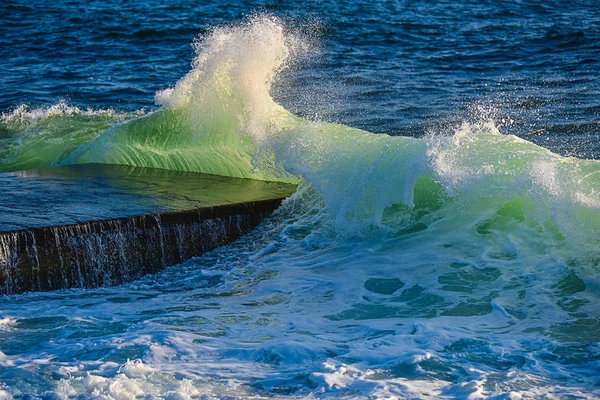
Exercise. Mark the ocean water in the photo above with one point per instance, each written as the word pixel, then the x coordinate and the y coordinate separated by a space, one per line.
pixel 444 239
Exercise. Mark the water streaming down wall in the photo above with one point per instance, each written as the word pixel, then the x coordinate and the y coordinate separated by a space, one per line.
pixel 104 253
pixel 94 225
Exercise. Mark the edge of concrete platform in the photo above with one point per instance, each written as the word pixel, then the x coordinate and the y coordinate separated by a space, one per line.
pixel 109 252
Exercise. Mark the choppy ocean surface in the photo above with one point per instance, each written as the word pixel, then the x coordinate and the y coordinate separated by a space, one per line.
pixel 444 240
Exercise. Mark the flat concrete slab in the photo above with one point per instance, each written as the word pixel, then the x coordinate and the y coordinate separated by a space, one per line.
pixel 74 194
pixel 97 225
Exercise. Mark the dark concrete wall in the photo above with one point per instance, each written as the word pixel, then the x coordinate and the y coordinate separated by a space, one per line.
pixel 109 252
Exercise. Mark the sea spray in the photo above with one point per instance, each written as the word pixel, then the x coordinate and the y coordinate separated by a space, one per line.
pixel 217 116
pixel 213 121
pixel 232 76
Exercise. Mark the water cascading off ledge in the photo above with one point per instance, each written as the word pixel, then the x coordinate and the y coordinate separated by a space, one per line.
pixel 94 225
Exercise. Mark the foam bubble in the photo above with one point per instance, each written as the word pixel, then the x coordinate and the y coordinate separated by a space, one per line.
pixel 7 323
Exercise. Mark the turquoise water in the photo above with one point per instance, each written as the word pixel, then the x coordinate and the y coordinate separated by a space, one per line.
pixel 458 261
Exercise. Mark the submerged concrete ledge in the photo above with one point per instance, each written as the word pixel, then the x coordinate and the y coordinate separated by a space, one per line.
pixel 99 225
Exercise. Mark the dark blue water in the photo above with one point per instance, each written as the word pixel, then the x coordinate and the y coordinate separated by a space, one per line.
pixel 397 67
pixel 446 259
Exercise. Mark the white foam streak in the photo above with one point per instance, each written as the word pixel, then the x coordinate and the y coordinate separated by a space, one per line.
pixel 23 114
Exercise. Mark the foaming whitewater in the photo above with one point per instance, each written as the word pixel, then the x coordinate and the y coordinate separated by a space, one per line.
pixel 459 265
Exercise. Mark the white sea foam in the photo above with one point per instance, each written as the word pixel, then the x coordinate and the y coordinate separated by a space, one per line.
pixel 24 114
pixel 7 323
pixel 377 317
pixel 234 71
